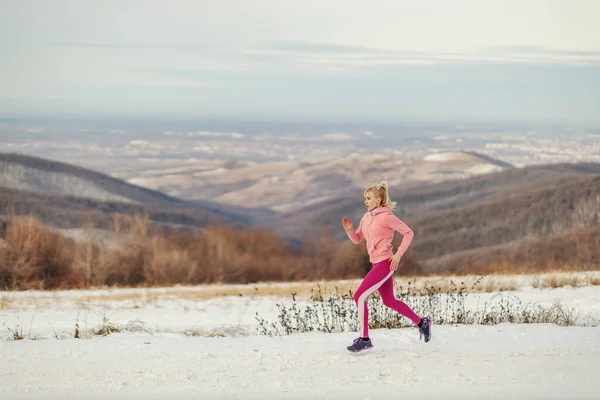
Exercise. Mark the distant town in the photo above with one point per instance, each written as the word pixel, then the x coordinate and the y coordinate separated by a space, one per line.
pixel 116 150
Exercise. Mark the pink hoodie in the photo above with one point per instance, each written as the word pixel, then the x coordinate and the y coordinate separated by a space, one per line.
pixel 377 227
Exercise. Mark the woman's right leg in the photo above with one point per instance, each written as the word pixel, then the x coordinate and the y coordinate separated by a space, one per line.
pixel 378 275
pixel 386 290
pixel 389 299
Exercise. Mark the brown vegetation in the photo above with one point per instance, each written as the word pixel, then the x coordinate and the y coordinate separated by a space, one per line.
pixel 578 250
pixel 34 256
pixel 517 221
pixel 574 205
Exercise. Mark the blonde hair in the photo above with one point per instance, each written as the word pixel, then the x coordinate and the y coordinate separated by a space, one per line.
pixel 380 191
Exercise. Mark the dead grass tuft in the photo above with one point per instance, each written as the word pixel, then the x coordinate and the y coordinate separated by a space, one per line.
pixel 5 302
pixel 555 281
pixel 106 329
pixel 16 334
pixel 498 285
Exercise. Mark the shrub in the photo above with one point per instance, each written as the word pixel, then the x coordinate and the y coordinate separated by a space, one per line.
pixel 336 312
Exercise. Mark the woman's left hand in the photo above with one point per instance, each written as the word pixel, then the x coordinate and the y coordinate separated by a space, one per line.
pixel 395 262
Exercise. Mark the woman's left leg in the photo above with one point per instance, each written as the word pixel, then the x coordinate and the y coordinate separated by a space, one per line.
pixel 372 282
pixel 386 291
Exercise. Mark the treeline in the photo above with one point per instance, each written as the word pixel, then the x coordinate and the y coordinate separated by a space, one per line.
pixel 578 250
pixel 508 218
pixel 35 256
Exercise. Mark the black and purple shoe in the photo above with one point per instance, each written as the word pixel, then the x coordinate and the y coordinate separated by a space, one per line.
pixel 425 329
pixel 359 345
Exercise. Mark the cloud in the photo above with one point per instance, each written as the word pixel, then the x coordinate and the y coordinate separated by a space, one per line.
pixel 357 56
pixel 349 52
pixel 545 50
pixel 329 48
pixel 192 63
pixel 545 54
pixel 129 46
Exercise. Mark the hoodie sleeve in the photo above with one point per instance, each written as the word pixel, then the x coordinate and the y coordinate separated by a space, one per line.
pixel 356 236
pixel 396 224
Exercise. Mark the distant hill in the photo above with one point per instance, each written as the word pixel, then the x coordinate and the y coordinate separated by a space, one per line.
pixel 287 186
pixel 415 202
pixel 510 217
pixel 64 195
pixel 25 172
pixel 525 215
pixel 578 249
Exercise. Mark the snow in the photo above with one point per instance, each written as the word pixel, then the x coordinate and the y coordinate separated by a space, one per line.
pixel 467 362
pixel 208 348
pixel 445 156
pixel 215 171
pixel 482 169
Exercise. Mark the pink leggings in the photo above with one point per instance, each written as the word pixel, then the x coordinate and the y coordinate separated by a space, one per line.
pixel 380 278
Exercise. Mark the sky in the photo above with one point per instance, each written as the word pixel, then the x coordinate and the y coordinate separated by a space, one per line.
pixel 509 60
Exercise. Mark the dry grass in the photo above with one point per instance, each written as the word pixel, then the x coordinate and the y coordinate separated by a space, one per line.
pixel 5 302
pixel 106 329
pixel 16 334
pixel 299 289
pixel 447 284
pixel 201 292
pixel 555 280
pixel 141 297
pixel 499 285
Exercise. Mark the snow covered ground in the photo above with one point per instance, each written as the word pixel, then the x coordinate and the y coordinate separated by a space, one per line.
pixel 467 362
pixel 180 347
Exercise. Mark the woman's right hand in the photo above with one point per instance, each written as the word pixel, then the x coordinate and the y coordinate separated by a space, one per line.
pixel 347 223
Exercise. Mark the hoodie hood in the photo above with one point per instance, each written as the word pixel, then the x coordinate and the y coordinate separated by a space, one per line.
pixel 380 210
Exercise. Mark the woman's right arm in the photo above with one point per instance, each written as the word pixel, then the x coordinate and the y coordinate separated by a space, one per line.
pixel 355 236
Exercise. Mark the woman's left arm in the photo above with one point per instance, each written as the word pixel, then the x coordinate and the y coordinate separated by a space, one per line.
pixel 396 224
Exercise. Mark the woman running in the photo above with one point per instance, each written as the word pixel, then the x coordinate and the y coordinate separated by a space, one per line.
pixel 377 227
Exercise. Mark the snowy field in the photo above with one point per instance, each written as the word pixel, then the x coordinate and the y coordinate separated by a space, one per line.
pixel 176 343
